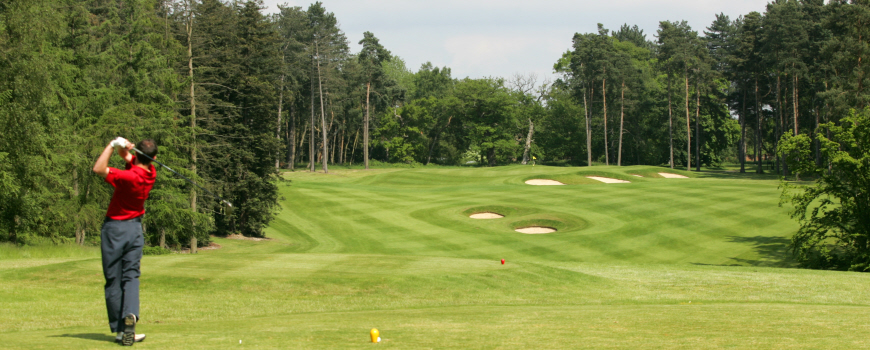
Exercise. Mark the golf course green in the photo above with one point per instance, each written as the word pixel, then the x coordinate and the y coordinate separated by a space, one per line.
pixel 657 263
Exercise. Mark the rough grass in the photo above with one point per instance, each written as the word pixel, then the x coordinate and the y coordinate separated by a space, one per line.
pixel 697 263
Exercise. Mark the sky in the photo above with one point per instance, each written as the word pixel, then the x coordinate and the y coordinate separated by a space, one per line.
pixel 492 38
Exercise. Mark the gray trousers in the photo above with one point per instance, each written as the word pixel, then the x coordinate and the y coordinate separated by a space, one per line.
pixel 121 248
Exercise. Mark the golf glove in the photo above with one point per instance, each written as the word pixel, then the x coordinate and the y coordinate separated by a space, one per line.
pixel 119 142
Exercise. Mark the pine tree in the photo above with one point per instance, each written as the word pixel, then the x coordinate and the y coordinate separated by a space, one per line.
pixel 371 59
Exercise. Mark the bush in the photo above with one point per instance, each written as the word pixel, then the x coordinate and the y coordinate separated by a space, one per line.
pixel 155 251
pixel 834 224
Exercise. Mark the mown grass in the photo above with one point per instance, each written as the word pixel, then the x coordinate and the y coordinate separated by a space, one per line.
pixel 660 263
pixel 9 252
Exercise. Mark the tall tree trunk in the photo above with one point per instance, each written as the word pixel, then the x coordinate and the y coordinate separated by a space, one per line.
pixel 346 139
pixel 311 156
pixel 588 132
pixel 334 142
pixel 302 139
pixel 528 142
pixel 816 145
pixel 604 100
pixel 688 126
pixel 192 122
pixel 858 101
pixel 278 131
pixel 794 100
pixel 291 156
pixel 670 120
pixel 742 145
pixel 778 131
pixel 341 148
pixel 758 135
pixel 784 125
pixel 322 115
pixel 827 117
pixel 621 121
pixel 162 237
pixel 80 231
pixel 353 149
pixel 366 128
pixel 698 125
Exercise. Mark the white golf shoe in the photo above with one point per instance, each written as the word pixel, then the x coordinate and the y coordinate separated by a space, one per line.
pixel 137 338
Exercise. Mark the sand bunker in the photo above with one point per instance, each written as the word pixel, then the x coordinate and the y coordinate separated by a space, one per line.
pixel 543 182
pixel 673 176
pixel 535 230
pixel 608 180
pixel 636 175
pixel 486 216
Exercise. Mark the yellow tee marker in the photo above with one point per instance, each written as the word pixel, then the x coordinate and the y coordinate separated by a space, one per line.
pixel 375 335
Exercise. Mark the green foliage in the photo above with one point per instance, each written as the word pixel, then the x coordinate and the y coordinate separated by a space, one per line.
pixel 485 116
pixel 88 72
pixel 431 81
pixel 633 35
pixel 834 213
pixel 396 70
pixel 155 251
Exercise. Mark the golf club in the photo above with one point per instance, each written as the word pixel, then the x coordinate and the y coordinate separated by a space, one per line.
pixel 184 177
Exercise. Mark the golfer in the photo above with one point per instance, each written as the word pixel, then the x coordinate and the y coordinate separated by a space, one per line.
pixel 121 235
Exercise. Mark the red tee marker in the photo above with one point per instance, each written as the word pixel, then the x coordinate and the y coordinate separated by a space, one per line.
pixel 502 261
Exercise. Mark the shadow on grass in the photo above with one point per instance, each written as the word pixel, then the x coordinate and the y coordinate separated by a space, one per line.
pixel 734 175
pixel 772 251
pixel 750 174
pixel 89 336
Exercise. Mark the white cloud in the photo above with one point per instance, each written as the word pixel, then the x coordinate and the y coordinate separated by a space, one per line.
pixel 500 55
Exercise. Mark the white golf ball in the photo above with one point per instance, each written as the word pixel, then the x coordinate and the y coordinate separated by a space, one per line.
pixel 379 339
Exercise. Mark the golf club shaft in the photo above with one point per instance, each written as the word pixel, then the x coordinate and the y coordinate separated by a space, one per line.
pixel 184 177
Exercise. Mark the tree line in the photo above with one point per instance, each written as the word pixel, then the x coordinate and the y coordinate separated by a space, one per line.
pixel 233 96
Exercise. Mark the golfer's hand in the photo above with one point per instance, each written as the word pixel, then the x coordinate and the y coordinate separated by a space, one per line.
pixel 119 142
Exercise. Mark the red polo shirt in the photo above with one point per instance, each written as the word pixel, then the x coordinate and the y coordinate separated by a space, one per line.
pixel 131 190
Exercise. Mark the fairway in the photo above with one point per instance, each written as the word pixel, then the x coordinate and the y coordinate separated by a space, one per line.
pixel 691 263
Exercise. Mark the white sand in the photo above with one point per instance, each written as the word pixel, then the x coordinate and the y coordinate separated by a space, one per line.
pixel 673 176
pixel 636 175
pixel 535 230
pixel 608 180
pixel 486 216
pixel 543 182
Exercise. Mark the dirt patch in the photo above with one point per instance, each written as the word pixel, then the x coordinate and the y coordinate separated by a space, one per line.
pixel 211 246
pixel 673 176
pixel 543 182
pixel 487 215
pixel 535 230
pixel 608 180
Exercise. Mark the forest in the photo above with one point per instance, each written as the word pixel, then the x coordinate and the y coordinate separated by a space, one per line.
pixel 235 96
